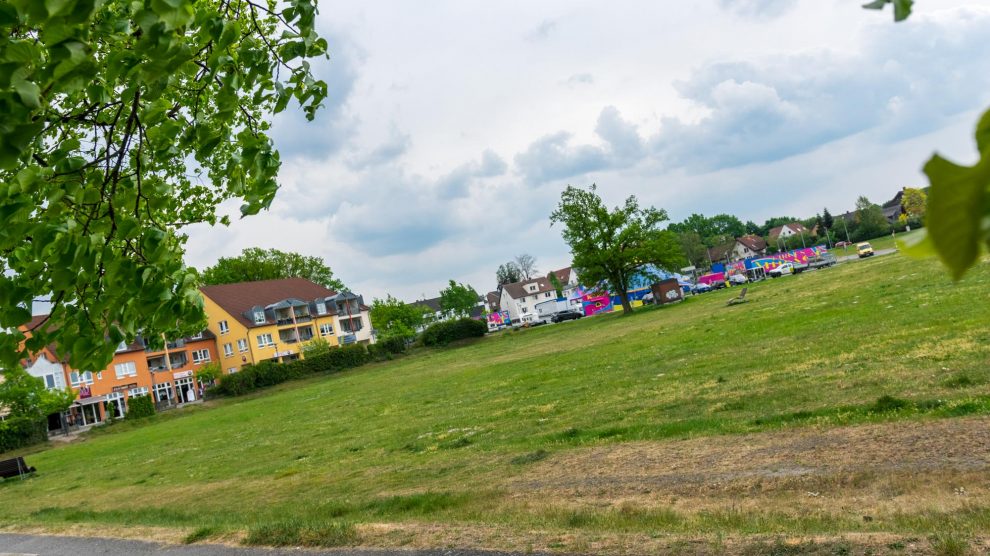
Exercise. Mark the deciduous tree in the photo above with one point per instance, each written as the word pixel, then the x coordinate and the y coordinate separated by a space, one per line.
pixel 613 247
pixel 255 264
pixel 457 299
pixel 913 200
pixel 870 221
pixel 526 264
pixel 123 123
pixel 392 317
pixel 508 273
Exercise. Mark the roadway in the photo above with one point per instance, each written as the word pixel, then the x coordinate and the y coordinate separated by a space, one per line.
pixel 44 545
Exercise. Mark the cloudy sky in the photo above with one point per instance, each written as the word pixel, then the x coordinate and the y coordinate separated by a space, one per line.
pixel 453 126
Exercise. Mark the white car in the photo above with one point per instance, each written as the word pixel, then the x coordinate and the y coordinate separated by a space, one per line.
pixel 736 279
pixel 785 268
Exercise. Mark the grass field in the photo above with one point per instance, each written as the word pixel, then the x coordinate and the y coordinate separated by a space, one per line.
pixel 838 408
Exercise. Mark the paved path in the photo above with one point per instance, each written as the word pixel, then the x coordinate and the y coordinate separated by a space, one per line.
pixel 41 545
pixel 854 257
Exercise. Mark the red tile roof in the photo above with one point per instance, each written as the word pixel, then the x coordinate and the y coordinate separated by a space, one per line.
pixel 519 290
pixel 754 243
pixel 238 298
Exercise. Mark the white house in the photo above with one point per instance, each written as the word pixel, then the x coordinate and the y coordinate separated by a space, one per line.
pixel 788 230
pixel 51 373
pixel 520 298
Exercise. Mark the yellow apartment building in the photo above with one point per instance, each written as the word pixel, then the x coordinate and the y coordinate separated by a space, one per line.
pixel 273 319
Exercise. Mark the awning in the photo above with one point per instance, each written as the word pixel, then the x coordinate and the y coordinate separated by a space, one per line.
pixel 90 400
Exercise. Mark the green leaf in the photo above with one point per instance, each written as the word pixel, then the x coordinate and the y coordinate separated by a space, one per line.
pixel 983 134
pixel 902 9
pixel 876 5
pixel 57 7
pixel 955 211
pixel 29 92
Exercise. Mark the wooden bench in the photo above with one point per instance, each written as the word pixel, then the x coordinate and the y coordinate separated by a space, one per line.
pixel 738 300
pixel 15 468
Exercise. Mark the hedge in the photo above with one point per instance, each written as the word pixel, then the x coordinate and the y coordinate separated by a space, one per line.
pixel 269 373
pixel 442 333
pixel 386 347
pixel 18 432
pixel 139 407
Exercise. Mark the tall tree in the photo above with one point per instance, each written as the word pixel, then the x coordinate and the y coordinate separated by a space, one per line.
pixel 391 317
pixel 693 248
pixel 613 247
pixel 25 396
pixel 526 264
pixel 255 264
pixel 913 200
pixel 123 123
pixel 458 300
pixel 508 273
pixel 827 220
pixel 870 221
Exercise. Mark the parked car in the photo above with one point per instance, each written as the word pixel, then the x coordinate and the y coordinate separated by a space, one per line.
pixel 736 279
pixel 565 315
pixel 864 249
pixel 700 288
pixel 785 268
pixel 843 243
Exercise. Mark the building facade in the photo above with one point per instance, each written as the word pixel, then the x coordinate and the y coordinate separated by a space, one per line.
pixel 273 319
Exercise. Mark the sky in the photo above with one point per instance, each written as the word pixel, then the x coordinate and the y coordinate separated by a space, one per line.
pixel 453 126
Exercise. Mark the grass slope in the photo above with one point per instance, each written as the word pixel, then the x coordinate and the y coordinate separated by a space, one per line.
pixel 441 436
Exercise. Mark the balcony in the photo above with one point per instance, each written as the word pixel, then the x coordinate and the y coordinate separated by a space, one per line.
pixel 176 360
pixel 306 334
pixel 289 338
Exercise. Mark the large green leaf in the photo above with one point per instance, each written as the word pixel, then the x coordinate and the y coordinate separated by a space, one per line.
pixel 955 211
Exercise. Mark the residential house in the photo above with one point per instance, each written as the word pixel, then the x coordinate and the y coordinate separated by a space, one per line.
pixel 893 208
pixel 788 230
pixel 272 319
pixel 436 313
pixel 168 374
pixel 520 298
pixel 748 246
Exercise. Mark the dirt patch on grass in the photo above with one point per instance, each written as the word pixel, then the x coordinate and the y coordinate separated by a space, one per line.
pixel 939 462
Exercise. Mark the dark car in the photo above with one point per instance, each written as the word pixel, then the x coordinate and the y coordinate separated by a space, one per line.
pixel 566 315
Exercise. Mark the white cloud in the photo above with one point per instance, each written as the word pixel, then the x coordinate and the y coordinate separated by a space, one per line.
pixel 452 128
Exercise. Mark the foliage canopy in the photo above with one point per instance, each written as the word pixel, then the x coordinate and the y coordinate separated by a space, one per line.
pixel 393 318
pixel 255 264
pixel 124 122
pixel 613 247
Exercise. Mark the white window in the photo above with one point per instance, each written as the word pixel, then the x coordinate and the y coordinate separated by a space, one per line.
pixel 321 308
pixel 224 328
pixel 228 350
pixel 523 309
pixel 259 317
pixel 546 294
pixel 77 378
pixel 163 391
pixel 326 329
pixel 232 370
pixel 200 356
pixel 50 381
pixel 125 369
pixel 99 375
pixel 242 345
pixel 265 340
pixel 134 392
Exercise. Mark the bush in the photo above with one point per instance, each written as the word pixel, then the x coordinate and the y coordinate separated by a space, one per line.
pixel 269 373
pixel 442 333
pixel 387 347
pixel 18 432
pixel 139 407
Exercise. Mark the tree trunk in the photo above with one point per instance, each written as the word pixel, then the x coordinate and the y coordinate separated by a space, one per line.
pixel 626 307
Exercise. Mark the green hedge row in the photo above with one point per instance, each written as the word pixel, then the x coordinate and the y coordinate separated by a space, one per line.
pixel 18 432
pixel 139 407
pixel 442 333
pixel 269 373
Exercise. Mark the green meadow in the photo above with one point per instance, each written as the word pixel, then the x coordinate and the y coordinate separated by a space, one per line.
pixel 467 437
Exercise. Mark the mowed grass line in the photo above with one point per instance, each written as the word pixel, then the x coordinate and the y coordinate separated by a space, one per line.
pixel 437 436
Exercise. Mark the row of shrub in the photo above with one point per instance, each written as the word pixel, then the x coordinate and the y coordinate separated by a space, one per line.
pixel 18 432
pixel 139 407
pixel 269 373
pixel 442 333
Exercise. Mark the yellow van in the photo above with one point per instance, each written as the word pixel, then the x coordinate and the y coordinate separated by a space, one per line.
pixel 864 249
